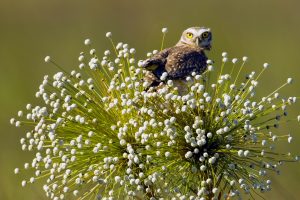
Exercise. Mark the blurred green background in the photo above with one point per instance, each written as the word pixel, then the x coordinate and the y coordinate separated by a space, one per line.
pixel 266 31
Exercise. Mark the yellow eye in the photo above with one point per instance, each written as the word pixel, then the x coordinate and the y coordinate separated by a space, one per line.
pixel 205 35
pixel 189 35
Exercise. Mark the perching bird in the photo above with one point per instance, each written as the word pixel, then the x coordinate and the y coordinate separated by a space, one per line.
pixel 181 60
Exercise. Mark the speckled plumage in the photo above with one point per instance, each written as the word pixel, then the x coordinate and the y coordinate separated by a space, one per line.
pixel 181 60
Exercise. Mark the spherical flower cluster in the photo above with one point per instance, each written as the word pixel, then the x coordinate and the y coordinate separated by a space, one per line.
pixel 99 134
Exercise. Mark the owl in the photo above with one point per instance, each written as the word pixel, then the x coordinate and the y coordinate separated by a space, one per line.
pixel 179 61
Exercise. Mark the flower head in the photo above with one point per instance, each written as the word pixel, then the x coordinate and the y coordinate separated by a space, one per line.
pixel 164 30
pixel 98 133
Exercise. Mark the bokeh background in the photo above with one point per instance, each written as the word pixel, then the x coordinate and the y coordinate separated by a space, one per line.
pixel 265 31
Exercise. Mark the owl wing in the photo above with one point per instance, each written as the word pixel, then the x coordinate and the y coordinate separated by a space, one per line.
pixel 184 60
pixel 157 60
pixel 155 67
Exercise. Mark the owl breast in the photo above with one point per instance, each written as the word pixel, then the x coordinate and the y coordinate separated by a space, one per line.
pixel 184 60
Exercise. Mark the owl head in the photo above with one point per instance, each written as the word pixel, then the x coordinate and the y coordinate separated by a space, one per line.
pixel 196 36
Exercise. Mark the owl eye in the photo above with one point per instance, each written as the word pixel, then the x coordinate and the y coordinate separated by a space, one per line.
pixel 189 35
pixel 205 35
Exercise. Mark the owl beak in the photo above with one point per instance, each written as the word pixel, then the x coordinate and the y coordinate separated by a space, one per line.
pixel 198 42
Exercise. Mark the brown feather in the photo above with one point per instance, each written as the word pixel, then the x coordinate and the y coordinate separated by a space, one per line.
pixel 179 62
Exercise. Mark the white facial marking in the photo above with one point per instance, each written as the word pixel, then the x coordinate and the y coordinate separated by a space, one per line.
pixel 192 34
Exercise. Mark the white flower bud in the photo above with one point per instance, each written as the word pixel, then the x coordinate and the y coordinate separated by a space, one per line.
pixel 47 59
pixel 164 30
pixel 266 65
pixel 245 58
pixel 16 171
pixel 224 54
pixel 108 34
pixel 87 42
